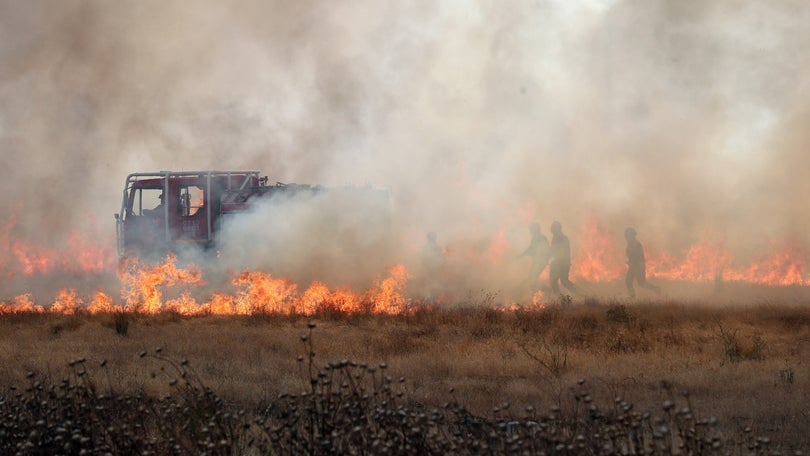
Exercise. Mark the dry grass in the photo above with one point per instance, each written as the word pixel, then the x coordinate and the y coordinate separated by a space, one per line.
pixel 746 366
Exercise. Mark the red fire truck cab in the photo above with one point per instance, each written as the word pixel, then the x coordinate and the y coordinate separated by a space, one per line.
pixel 167 211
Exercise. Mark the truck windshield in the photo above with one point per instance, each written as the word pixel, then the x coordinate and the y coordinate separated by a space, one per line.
pixel 147 201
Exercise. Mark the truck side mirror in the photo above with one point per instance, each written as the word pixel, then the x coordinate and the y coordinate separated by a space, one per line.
pixel 116 216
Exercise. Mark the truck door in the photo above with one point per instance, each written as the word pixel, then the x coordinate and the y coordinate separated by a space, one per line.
pixel 192 213
pixel 144 219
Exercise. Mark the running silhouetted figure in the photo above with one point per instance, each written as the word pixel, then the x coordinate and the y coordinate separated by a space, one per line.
pixel 538 251
pixel 560 256
pixel 432 255
pixel 636 265
pixel 433 265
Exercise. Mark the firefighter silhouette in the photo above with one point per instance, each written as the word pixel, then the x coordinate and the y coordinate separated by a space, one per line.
pixel 636 265
pixel 560 260
pixel 538 251
pixel 157 211
pixel 433 265
pixel 432 255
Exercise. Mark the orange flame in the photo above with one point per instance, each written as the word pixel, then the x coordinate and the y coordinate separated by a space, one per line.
pixel 598 259
pixel 66 302
pixel 102 303
pixel 265 293
pixel 784 265
pixel 21 304
pixel 141 288
pixel 388 299
pixel 86 251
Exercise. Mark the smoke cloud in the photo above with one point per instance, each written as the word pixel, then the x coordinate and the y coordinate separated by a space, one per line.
pixel 679 118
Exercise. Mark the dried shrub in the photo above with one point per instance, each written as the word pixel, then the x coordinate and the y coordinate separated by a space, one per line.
pixel 787 375
pixel 625 341
pixel 617 314
pixel 486 323
pixel 552 356
pixel 734 350
pixel 121 323
pixel 66 323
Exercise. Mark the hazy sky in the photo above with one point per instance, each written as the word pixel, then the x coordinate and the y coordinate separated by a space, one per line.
pixel 679 117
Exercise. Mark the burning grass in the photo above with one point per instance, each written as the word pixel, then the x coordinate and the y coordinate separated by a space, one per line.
pixel 743 368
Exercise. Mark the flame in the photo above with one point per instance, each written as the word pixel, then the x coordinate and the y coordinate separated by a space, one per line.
pixel 141 287
pixel 598 258
pixel 703 262
pixel 264 293
pixel 784 265
pixel 102 303
pixel 166 286
pixel 144 286
pixel 66 302
pixel 318 296
pixel 388 298
pixel 90 250
pixel 537 303
pixel 21 304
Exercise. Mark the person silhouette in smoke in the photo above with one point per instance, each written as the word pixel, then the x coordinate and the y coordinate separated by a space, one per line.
pixel 636 265
pixel 538 251
pixel 433 262
pixel 560 260
pixel 157 211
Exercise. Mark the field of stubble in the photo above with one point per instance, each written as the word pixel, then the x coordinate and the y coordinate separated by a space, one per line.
pixel 587 376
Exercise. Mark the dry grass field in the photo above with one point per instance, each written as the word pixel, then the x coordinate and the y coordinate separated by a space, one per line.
pixel 745 365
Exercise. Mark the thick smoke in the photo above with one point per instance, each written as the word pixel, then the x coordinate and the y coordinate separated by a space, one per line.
pixel 680 118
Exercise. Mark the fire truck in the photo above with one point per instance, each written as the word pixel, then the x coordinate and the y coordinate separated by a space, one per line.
pixel 167 211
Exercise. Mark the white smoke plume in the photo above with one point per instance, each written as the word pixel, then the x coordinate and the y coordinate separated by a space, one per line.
pixel 478 117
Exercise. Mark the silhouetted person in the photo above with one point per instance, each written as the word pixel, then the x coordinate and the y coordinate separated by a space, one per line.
pixel 432 255
pixel 157 211
pixel 636 265
pixel 433 262
pixel 538 251
pixel 560 260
